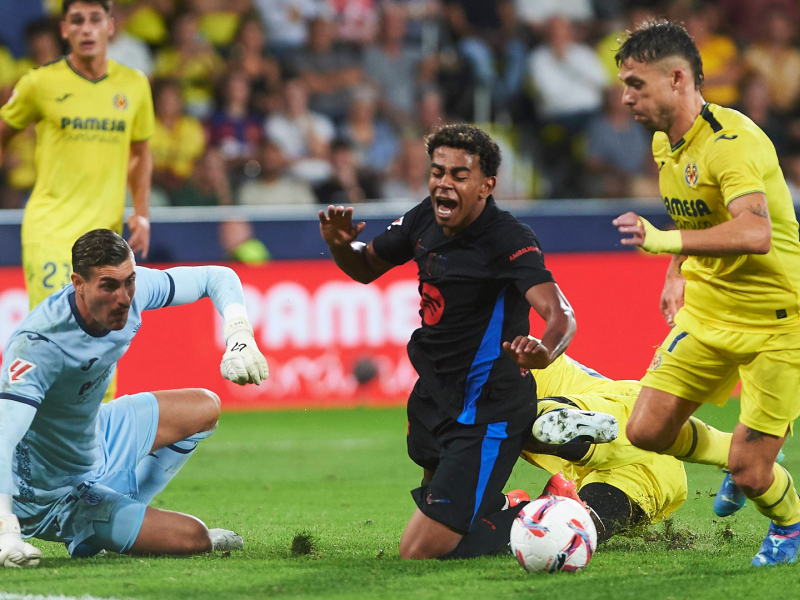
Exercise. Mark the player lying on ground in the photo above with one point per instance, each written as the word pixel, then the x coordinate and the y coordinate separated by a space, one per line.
pixel 472 408
pixel 80 472
pixel 732 290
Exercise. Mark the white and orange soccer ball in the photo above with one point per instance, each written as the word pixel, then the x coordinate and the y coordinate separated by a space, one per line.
pixel 553 533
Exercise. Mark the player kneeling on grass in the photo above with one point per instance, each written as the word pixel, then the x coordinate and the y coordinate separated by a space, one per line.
pixel 81 472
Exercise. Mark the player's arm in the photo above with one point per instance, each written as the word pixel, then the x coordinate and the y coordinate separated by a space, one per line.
pixel 140 175
pixel 242 362
pixel 356 259
pixel 549 302
pixel 748 232
pixel 6 133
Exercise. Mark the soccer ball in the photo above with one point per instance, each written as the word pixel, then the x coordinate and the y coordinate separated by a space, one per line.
pixel 553 533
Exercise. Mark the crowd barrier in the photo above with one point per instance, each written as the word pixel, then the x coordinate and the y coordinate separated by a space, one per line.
pixel 315 326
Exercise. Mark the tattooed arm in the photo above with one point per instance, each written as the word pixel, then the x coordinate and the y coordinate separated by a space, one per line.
pixel 749 232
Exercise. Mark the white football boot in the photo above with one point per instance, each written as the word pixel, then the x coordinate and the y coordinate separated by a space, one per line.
pixel 565 424
pixel 223 540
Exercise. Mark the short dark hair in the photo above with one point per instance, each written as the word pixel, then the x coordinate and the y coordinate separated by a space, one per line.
pixel 99 248
pixel 106 4
pixel 658 38
pixel 471 139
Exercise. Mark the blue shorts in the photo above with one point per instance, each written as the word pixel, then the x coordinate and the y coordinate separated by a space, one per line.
pixel 99 511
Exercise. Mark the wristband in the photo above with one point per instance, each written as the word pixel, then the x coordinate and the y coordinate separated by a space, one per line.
pixel 657 241
pixel 235 325
pixel 9 524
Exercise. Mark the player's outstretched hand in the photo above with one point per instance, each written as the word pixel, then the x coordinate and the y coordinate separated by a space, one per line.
pixel 14 552
pixel 631 223
pixel 140 234
pixel 242 362
pixel 528 352
pixel 336 226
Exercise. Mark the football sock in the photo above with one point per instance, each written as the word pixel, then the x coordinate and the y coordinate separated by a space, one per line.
pixel 611 507
pixel 158 468
pixel 488 535
pixel 700 443
pixel 780 502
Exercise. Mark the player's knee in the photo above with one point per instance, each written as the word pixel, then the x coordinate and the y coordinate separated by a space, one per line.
pixel 415 549
pixel 208 407
pixel 641 438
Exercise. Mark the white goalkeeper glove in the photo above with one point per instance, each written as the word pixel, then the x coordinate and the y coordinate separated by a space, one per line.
pixel 14 552
pixel 242 362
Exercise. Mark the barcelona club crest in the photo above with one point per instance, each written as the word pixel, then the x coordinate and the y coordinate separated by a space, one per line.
pixel 690 174
pixel 120 101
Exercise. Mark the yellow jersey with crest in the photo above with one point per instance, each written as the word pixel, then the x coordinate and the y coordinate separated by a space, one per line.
pixel 723 156
pixel 84 129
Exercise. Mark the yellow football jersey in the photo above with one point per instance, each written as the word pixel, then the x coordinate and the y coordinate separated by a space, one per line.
pixel 723 156
pixel 84 130
pixel 565 376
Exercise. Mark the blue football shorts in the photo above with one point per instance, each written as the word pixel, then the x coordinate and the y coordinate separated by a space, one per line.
pixel 99 512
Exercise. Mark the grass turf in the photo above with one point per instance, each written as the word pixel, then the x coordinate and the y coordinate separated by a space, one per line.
pixel 342 479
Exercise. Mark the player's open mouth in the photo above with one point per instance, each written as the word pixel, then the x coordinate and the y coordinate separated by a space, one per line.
pixel 445 206
pixel 87 45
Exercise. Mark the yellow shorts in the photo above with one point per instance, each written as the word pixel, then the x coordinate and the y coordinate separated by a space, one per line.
pixel 703 364
pixel 47 269
pixel 654 482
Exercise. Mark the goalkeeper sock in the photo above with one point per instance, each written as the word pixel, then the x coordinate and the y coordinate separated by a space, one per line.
pixel 780 502
pixel 489 535
pixel 700 443
pixel 158 468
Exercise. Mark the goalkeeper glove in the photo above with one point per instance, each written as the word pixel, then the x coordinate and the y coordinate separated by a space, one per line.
pixel 657 241
pixel 242 362
pixel 14 552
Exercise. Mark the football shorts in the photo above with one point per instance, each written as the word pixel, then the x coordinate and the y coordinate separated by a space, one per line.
pixel 471 463
pixel 701 363
pixel 98 511
pixel 47 268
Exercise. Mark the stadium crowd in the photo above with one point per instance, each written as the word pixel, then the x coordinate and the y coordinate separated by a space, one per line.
pixel 326 101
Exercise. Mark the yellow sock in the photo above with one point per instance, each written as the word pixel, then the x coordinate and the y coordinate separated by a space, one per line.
pixel 780 502
pixel 546 405
pixel 700 443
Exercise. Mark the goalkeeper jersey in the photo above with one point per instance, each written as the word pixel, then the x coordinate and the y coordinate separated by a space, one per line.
pixel 722 157
pixel 567 377
pixel 84 129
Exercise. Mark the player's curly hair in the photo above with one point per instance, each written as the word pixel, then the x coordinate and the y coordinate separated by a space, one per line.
pixel 99 248
pixel 106 4
pixel 467 137
pixel 658 38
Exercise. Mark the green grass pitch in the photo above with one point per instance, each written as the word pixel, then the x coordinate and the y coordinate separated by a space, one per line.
pixel 343 477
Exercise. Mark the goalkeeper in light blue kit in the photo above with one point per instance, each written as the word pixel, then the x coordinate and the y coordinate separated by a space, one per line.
pixel 81 472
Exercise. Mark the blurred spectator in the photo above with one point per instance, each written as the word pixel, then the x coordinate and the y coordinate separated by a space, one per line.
pixel 219 19
pixel 609 44
pixel 43 44
pixel 273 186
pixel 430 111
pixel 396 68
pixel 777 60
pixel 618 148
pixel 239 243
pixel 569 81
pixel 374 140
pixel 125 48
pixel 746 16
pixel 791 170
pixel 356 20
pixel 208 185
pixel 233 128
pixel 178 140
pixel 412 168
pixel 287 21
pixel 722 66
pixel 347 184
pixel 756 104
pixel 192 61
pixel 330 72
pixel 249 55
pixel 304 136
pixel 147 19
pixel 538 13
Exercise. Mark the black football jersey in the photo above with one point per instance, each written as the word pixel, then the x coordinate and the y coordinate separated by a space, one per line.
pixel 472 299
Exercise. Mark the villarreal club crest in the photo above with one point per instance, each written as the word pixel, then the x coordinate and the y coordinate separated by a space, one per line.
pixel 690 174
pixel 121 101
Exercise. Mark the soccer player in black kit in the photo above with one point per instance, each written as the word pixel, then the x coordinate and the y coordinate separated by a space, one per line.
pixel 472 408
